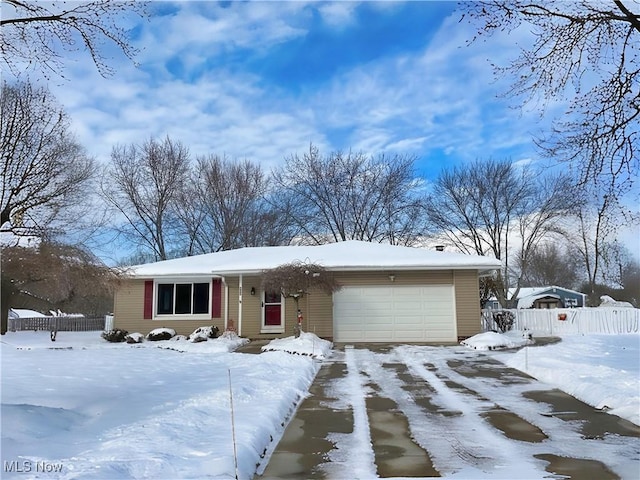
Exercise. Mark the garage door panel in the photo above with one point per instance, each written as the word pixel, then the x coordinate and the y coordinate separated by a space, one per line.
pixel 404 321
pixel 415 306
pixel 377 320
pixel 440 310
pixel 395 314
pixel 375 336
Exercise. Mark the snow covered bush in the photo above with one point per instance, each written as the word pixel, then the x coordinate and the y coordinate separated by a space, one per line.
pixel 116 335
pixel 202 334
pixel 161 334
pixel 135 337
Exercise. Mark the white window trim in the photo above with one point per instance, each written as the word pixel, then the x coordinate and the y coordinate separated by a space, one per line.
pixel 181 316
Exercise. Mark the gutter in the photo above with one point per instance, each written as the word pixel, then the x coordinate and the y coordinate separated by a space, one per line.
pixel 486 269
pixel 483 269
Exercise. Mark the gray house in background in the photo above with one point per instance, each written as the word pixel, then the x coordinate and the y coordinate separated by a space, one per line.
pixel 544 297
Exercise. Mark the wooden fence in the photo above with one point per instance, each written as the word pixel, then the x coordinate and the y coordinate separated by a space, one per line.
pixel 69 323
pixel 558 321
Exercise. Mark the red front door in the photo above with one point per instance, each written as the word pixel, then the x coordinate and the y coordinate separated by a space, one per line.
pixel 272 309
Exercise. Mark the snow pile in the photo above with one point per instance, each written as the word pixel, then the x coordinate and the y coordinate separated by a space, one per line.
pixel 306 344
pixel 601 370
pixel 608 302
pixel 498 341
pixel 181 343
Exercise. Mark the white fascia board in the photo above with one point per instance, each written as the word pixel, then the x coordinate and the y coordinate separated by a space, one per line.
pixel 177 276
pixel 485 269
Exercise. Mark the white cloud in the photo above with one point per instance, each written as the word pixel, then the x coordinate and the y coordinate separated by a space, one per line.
pixel 338 14
pixel 442 99
pixel 197 35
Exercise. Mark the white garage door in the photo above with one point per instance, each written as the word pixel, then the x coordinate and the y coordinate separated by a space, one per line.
pixel 415 313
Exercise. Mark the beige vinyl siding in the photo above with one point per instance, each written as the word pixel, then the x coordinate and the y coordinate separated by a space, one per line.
pixel 128 308
pixel 232 292
pixel 251 304
pixel 317 307
pixel 318 314
pixel 467 302
pixel 436 277
pixel 129 312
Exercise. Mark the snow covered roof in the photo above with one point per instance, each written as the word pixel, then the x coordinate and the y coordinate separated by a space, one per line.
pixel 342 256
pixel 24 313
pixel 528 301
pixel 532 291
pixel 526 294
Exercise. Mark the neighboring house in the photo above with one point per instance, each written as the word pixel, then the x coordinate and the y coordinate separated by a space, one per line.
pixel 389 294
pixel 544 297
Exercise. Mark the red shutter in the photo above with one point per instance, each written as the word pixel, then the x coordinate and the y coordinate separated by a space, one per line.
pixel 148 299
pixel 216 298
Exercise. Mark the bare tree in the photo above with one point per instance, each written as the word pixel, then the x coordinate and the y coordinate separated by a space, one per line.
pixel 585 52
pixel 54 276
pixel 352 197
pixel 35 35
pixel 621 281
pixel 144 183
pixel 494 208
pixel 297 279
pixel 630 281
pixel 539 217
pixel 593 227
pixel 46 174
pixel 225 207
pixel 551 263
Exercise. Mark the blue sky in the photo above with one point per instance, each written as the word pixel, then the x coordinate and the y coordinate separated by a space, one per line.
pixel 262 80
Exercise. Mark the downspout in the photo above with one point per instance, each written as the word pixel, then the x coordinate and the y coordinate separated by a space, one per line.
pixel 240 306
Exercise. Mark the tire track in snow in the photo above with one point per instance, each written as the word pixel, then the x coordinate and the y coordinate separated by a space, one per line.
pixel 565 439
pixel 453 442
pixel 354 457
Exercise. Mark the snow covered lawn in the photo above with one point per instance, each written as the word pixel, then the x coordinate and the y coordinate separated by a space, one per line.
pixel 93 409
pixel 85 408
pixel 601 370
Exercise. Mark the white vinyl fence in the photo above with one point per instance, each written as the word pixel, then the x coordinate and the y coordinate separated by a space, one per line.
pixel 67 323
pixel 557 321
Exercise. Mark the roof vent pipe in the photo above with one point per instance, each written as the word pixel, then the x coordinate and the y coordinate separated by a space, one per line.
pixel 440 248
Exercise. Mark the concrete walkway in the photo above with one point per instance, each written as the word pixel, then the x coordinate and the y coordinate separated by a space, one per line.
pixel 308 448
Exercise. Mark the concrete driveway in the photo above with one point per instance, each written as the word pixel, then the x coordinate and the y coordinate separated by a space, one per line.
pixel 423 411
